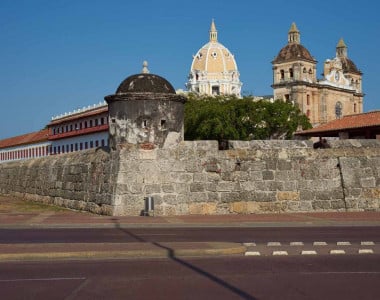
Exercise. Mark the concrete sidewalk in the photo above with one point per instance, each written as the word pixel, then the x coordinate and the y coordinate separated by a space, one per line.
pixel 18 214
pixel 74 219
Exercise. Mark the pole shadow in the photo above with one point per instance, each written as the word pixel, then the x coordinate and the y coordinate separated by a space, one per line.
pixel 171 255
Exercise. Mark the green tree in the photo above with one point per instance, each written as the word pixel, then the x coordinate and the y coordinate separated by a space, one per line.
pixel 227 117
pixel 208 118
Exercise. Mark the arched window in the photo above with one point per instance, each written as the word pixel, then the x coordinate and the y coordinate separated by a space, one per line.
pixel 338 110
pixel 282 74
pixel 354 107
pixel 291 73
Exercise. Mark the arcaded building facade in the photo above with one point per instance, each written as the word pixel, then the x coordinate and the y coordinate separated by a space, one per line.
pixel 337 94
pixel 214 70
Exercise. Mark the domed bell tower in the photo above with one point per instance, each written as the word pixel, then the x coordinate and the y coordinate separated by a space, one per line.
pixel 145 110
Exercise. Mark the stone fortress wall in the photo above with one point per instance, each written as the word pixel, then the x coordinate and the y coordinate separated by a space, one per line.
pixel 82 180
pixel 197 178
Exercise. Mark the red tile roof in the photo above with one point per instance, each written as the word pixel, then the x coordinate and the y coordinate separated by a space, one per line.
pixel 93 112
pixel 29 138
pixel 370 119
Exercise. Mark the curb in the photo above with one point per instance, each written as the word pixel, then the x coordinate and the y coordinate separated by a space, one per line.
pixel 193 225
pixel 146 250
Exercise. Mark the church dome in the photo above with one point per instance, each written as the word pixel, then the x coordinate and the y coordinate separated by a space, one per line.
pixel 293 50
pixel 214 58
pixel 145 83
pixel 348 65
pixel 214 65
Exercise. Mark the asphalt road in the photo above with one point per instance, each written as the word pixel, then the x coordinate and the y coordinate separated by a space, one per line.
pixel 297 277
pixel 232 234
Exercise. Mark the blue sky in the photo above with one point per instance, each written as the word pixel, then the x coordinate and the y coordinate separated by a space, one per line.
pixel 60 55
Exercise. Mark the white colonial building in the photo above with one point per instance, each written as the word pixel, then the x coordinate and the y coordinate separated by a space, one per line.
pixel 79 130
pixel 26 146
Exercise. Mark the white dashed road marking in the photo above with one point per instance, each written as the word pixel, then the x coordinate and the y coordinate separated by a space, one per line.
pixel 252 253
pixel 367 243
pixel 319 244
pixel 296 248
pixel 337 251
pixel 308 252
pixel 296 244
pixel 273 244
pixel 343 243
pixel 365 251
pixel 249 244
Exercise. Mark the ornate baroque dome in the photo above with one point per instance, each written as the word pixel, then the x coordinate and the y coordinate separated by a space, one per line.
pixel 293 50
pixel 347 64
pixel 214 66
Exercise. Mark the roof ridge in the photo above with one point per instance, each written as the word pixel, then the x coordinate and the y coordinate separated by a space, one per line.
pixel 363 113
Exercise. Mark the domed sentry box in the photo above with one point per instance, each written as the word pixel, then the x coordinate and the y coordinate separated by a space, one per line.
pixel 145 110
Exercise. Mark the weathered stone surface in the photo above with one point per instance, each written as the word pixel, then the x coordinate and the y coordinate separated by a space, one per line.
pixel 197 187
pixel 202 208
pixel 288 196
pixel 195 177
pixel 239 207
pixel 80 180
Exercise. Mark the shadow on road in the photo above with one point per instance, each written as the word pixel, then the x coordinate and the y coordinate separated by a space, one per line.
pixel 171 255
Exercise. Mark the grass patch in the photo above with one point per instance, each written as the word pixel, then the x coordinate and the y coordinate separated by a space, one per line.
pixel 12 204
pixel 31 206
